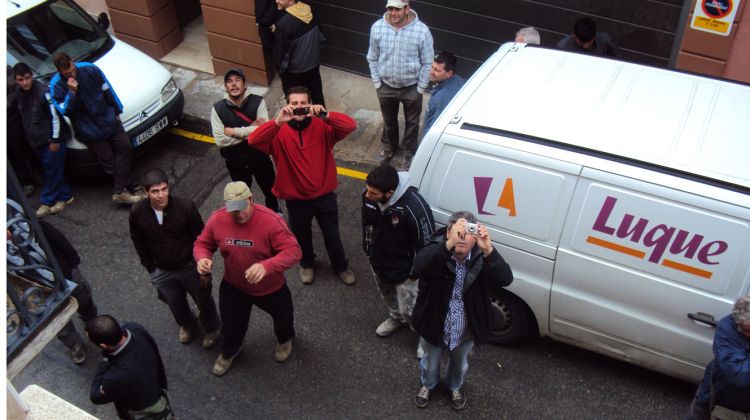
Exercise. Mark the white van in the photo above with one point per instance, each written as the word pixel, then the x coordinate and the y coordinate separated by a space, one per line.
pixel 619 194
pixel 37 30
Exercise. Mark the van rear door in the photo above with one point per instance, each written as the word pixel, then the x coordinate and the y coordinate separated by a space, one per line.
pixel 636 258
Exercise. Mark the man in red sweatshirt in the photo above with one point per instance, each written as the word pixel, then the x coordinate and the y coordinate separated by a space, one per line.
pixel 257 248
pixel 300 139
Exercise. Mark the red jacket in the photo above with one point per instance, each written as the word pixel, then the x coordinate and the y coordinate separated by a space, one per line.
pixel 305 166
pixel 265 238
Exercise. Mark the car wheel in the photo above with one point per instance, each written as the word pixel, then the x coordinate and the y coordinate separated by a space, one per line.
pixel 513 319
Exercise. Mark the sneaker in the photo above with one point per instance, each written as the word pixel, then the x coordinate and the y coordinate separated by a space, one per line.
pixel 78 354
pixel 283 351
pixel 210 339
pixel 388 327
pixel 222 365
pixel 423 397
pixel 307 275
pixel 138 191
pixel 186 334
pixel 43 211
pixel 347 277
pixel 60 206
pixel 385 157
pixel 458 400
pixel 125 197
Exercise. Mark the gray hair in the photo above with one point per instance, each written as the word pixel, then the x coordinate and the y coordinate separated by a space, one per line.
pixel 529 35
pixel 462 214
pixel 741 310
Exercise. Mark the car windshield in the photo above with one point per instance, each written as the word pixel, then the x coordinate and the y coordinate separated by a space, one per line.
pixel 37 34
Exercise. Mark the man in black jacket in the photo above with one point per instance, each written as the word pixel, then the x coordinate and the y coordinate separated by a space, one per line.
pixel 296 50
pixel 46 133
pixel 131 373
pixel 397 222
pixel 457 271
pixel 163 229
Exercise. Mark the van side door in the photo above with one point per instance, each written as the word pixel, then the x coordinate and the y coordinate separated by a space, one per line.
pixel 522 197
pixel 636 258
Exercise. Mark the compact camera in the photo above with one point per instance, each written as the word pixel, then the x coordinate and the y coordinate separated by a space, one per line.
pixel 472 228
pixel 301 111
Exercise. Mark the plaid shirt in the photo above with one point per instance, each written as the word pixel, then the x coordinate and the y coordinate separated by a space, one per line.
pixel 455 331
pixel 400 58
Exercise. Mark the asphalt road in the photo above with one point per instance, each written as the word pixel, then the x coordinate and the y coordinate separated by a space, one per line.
pixel 339 368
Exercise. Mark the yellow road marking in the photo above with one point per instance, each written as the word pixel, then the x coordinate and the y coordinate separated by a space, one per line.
pixel 208 139
pixel 351 173
pixel 191 135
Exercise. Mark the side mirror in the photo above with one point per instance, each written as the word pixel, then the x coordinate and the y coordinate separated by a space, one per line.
pixel 103 20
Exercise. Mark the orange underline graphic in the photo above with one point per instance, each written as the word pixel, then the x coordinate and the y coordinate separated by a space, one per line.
pixel 686 268
pixel 615 247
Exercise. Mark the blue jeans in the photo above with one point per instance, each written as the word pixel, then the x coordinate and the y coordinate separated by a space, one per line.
pixel 55 189
pixel 458 364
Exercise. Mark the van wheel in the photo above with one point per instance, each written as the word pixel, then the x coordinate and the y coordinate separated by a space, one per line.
pixel 513 320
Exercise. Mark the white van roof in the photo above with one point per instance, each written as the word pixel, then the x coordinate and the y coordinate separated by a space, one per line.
pixel 680 121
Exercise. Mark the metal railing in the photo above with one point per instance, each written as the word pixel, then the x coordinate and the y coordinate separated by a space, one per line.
pixel 36 286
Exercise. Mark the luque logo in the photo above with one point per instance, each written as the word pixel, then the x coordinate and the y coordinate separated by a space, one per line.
pixel 655 241
pixel 507 199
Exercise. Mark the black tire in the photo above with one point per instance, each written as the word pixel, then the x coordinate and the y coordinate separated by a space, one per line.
pixel 514 321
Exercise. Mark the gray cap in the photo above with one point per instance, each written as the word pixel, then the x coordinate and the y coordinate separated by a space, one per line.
pixel 234 71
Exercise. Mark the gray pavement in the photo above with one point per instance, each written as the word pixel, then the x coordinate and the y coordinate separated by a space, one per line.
pixel 344 92
pixel 339 368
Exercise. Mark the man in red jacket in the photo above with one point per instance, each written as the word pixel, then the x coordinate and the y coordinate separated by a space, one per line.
pixel 257 248
pixel 300 139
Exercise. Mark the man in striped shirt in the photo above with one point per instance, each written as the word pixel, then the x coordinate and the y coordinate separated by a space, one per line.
pixel 400 56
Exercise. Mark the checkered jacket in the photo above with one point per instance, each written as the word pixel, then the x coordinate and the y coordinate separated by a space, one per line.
pixel 400 58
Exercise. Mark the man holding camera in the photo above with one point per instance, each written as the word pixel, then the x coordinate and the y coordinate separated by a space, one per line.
pixel 458 272
pixel 301 139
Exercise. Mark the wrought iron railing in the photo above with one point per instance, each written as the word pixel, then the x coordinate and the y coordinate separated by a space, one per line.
pixel 36 286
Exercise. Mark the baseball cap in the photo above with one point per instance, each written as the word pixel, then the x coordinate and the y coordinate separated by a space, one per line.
pixel 236 195
pixel 399 4
pixel 235 71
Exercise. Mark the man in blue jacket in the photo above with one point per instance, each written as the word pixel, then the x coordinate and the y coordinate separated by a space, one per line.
pixel 447 84
pixel 81 92
pixel 725 390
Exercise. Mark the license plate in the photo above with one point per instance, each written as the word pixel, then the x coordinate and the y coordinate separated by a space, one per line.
pixel 141 138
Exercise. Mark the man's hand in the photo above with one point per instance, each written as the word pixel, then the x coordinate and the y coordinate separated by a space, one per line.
pixel 456 233
pixel 205 265
pixel 483 239
pixel 54 147
pixel 229 131
pixel 259 121
pixel 73 85
pixel 255 273
pixel 284 115
pixel 317 109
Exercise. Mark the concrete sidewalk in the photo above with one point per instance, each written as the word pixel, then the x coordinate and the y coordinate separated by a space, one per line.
pixel 344 92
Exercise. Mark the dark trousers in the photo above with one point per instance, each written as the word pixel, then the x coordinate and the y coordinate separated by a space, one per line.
pixel 53 164
pixel 244 163
pixel 326 211
pixel 309 79
pixel 235 307
pixel 115 156
pixel 174 286
pixel 390 98
pixel 20 155
pixel 69 335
